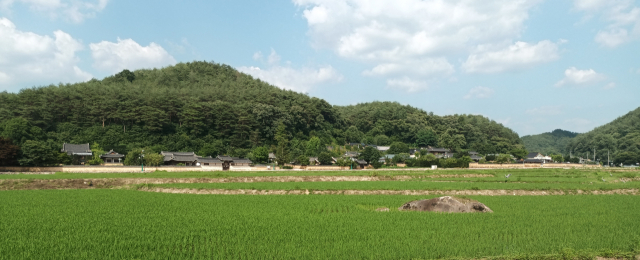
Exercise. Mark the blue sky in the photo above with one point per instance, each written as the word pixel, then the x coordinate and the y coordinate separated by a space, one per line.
pixel 531 65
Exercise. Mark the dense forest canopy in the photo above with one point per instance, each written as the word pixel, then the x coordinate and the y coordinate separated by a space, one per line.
pixel 383 123
pixel 214 109
pixel 621 138
pixel 554 142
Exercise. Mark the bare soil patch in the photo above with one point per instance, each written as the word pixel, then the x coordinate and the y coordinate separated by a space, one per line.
pixel 388 192
pixel 36 184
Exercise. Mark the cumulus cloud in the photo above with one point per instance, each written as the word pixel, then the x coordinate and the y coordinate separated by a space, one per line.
pixel 573 76
pixel 520 55
pixel 622 18
pixel 128 54
pixel 257 55
pixel 479 93
pixel 29 58
pixel 286 77
pixel 545 111
pixel 407 84
pixel 72 10
pixel 414 40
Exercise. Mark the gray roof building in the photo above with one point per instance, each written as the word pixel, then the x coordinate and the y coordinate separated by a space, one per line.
pixel 188 158
pixel 76 149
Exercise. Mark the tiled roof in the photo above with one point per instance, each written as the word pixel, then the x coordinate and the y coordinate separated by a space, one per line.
pixel 112 154
pixel 531 155
pixel 179 156
pixel 72 149
pixel 433 149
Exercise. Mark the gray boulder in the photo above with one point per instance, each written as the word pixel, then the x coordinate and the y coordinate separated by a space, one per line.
pixel 445 204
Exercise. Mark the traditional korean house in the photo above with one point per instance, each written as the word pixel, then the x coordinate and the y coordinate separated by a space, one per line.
pixel 362 163
pixel 439 152
pixel 112 158
pixel 209 162
pixel 474 156
pixel 80 153
pixel 175 158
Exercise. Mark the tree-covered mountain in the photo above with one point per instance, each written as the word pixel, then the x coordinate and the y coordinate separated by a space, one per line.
pixel 214 109
pixel 383 123
pixel 621 138
pixel 549 143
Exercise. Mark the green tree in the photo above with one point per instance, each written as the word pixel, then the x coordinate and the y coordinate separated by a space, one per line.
pixel 370 155
pixel 36 153
pixel 344 161
pixel 426 138
pixel 398 148
pixel 520 153
pixel 261 154
pixel 282 150
pixel 325 158
pixel 382 140
pixel 212 149
pixel 557 158
pixel 97 151
pixel 627 158
pixel 9 152
pixel 313 146
pixel 353 135
pixel 503 158
pixel 303 160
pixel 451 140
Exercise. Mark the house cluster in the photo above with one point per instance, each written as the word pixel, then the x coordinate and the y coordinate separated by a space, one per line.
pixel 537 158
pixel 81 153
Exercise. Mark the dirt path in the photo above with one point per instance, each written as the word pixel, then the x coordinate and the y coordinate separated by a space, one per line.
pixel 36 184
pixel 389 192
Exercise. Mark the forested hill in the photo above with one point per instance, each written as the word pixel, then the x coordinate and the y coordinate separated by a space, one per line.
pixel 192 105
pixel 549 143
pixel 621 137
pixel 385 122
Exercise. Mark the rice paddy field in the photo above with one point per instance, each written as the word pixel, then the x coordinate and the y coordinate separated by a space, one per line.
pixel 132 222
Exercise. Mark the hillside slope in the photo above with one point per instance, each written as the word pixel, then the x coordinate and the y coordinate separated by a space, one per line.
pixel 547 143
pixel 621 138
pixel 374 121
pixel 190 105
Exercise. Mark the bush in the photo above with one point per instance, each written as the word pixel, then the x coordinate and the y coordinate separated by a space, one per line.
pixel 376 164
pixel 325 158
pixel 286 167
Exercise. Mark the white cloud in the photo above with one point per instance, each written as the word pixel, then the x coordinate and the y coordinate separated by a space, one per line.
pixel 407 84
pixel 412 41
pixel 128 54
pixel 72 10
pixel 545 111
pixel 287 77
pixel 273 58
pixel 301 80
pixel 610 85
pixel 257 55
pixel 622 18
pixel 29 58
pixel 479 93
pixel 573 76
pixel 520 55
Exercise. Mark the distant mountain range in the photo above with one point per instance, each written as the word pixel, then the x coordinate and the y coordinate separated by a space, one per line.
pixel 618 141
pixel 547 143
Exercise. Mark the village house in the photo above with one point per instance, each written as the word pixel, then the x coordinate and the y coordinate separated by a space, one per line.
pixel 440 152
pixel 536 157
pixel 229 162
pixel 475 156
pixel 175 158
pixel 112 158
pixel 80 153
pixel 362 163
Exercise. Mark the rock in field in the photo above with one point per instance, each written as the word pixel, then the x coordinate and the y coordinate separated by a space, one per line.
pixel 445 204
